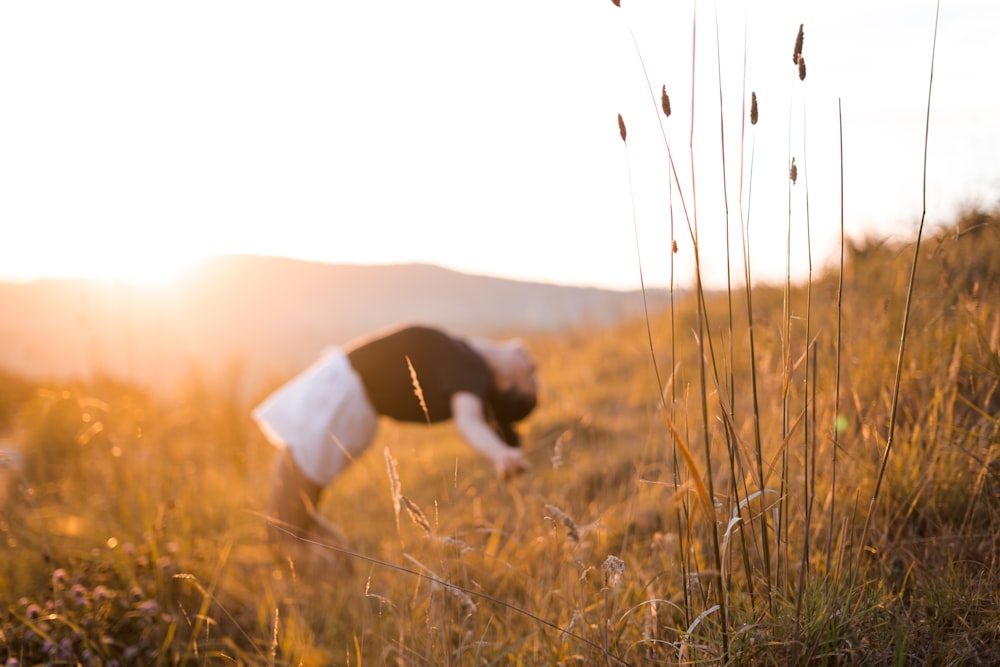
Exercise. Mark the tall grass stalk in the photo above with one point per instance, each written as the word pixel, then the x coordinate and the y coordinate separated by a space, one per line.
pixel 730 384
pixel 642 289
pixel 894 405
pixel 683 507
pixel 808 400
pixel 704 331
pixel 765 543
pixel 837 423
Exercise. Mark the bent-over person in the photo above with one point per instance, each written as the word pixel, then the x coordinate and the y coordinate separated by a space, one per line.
pixel 328 415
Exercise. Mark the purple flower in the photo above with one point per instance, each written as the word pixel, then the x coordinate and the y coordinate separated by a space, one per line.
pixel 59 576
pixel 79 593
pixel 102 593
pixel 148 606
pixel 33 611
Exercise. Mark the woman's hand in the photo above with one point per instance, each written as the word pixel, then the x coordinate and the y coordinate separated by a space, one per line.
pixel 511 462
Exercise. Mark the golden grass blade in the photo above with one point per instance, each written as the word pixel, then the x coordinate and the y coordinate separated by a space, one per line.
pixel 703 495
pixel 416 514
pixel 417 390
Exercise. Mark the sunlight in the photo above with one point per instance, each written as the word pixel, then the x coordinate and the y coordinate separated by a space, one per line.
pixel 139 270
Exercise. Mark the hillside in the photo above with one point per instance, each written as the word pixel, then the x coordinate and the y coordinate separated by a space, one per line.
pixel 262 317
pixel 753 473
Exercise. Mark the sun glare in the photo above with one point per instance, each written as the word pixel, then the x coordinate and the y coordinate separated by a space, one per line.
pixel 134 270
pixel 151 275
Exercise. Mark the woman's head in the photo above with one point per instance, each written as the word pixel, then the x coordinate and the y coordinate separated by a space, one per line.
pixel 515 385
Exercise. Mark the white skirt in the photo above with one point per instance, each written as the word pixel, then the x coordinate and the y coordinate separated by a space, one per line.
pixel 323 416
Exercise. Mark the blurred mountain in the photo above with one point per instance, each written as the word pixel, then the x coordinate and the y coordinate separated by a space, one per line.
pixel 257 320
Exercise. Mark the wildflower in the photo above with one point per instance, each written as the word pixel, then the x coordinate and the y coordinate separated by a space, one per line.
pixel 102 593
pixel 79 594
pixel 33 611
pixel 148 606
pixel 59 576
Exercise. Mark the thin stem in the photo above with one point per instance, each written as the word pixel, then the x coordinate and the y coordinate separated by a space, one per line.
pixel 840 313
pixel 890 440
pixel 809 475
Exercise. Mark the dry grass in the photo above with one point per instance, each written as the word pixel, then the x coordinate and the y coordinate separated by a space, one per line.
pixel 762 492
pixel 150 549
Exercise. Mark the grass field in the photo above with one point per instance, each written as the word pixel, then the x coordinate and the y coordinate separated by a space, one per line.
pixel 133 533
pixel 799 474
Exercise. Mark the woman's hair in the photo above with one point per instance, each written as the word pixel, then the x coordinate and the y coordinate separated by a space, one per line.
pixel 506 408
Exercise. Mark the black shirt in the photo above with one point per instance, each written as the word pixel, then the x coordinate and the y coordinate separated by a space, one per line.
pixel 442 365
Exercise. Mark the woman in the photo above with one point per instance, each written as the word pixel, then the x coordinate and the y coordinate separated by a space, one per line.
pixel 328 415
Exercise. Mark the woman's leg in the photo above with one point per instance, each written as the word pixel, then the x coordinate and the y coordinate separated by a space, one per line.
pixel 296 532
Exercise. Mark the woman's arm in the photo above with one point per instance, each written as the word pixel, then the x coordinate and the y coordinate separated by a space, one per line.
pixel 467 411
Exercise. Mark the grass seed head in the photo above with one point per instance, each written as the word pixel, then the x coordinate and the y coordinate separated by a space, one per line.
pixel 394 486
pixel 616 3
pixel 417 390
pixel 665 102
pixel 557 453
pixel 802 68
pixel 753 108
pixel 416 514
pixel 793 172
pixel 572 531
pixel 614 571
pixel 798 45
pixel 621 126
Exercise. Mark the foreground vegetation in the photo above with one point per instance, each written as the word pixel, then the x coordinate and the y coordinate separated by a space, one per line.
pixel 797 474
pixel 132 531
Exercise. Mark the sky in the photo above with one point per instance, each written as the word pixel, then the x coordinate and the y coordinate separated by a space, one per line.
pixel 136 138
